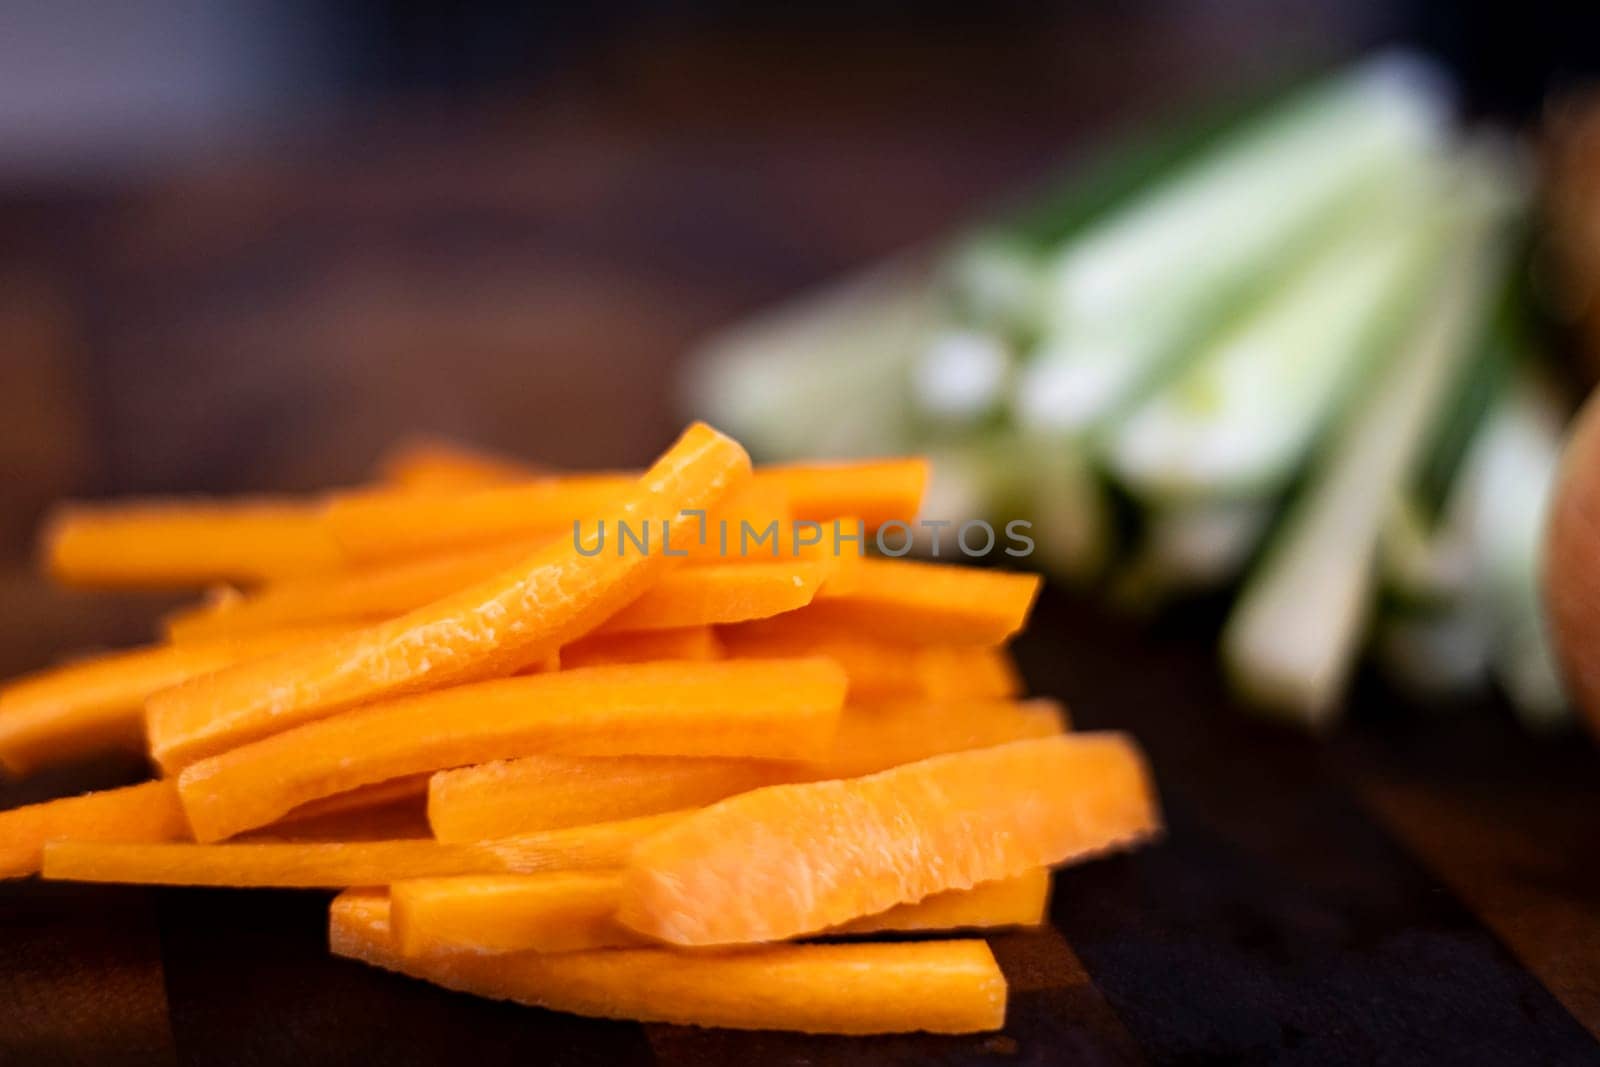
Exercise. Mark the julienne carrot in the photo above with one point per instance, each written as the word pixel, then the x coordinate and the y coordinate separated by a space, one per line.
pixel 136 813
pixel 176 543
pixel 335 864
pixel 937 986
pixel 876 492
pixel 518 617
pixel 722 593
pixel 573 911
pixel 790 860
pixel 927 603
pixel 78 709
pixel 883 669
pixel 546 791
pixel 784 709
pixel 698 643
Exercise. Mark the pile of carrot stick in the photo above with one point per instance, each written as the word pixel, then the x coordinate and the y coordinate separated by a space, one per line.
pixel 548 762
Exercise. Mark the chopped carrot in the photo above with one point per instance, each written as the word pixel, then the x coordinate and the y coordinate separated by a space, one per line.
pixel 880 669
pixel 175 543
pixel 722 593
pixel 790 860
pixel 573 911
pixel 136 813
pixel 333 864
pixel 364 595
pixel 519 617
pixel 926 603
pixel 938 986
pixel 435 463
pixel 600 650
pixel 89 706
pixel 547 791
pixel 781 709
pixel 875 491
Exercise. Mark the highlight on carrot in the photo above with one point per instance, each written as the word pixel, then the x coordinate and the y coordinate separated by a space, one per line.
pixel 783 709
pixel 573 911
pixel 335 864
pixel 556 595
pixel 938 986
pixel 178 543
pixel 788 860
pixel 148 812
pixel 82 708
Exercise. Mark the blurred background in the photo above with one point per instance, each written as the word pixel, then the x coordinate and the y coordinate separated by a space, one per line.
pixel 244 246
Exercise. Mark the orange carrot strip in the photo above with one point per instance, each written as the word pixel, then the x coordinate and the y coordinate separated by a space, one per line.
pixel 883 670
pixel 145 812
pixel 435 463
pixel 184 543
pixel 783 709
pixel 875 491
pixel 789 860
pixel 518 617
pixel 938 986
pixel 78 709
pixel 368 593
pixel 395 820
pixel 546 791
pixel 722 593
pixel 600 650
pixel 927 603
pixel 573 911
pixel 317 864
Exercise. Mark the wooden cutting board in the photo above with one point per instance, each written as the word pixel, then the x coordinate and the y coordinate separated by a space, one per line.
pixel 1420 888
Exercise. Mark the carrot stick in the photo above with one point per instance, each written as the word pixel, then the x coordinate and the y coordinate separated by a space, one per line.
pixel 926 603
pixel 883 670
pixel 402 819
pixel 938 986
pixel 78 709
pixel 169 543
pixel 519 617
pixel 600 650
pixel 145 812
pixel 789 860
pixel 574 911
pixel 547 791
pixel 784 709
pixel 876 492
pixel 320 864
pixel 434 463
pixel 722 593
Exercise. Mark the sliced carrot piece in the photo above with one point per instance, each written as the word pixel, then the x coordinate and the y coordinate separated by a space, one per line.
pixel 145 812
pixel 789 860
pixel 938 986
pixel 168 543
pixel 518 617
pixel 437 463
pixel 318 864
pixel 781 709
pixel 722 593
pixel 396 820
pixel 927 603
pixel 875 491
pixel 600 650
pixel 572 911
pixel 92 705
pixel 364 595
pixel 1020 901
pixel 883 670
pixel 546 791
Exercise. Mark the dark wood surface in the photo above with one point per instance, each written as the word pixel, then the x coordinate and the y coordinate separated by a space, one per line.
pixel 1420 887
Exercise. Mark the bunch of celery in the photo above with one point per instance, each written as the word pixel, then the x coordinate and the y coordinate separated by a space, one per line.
pixel 1255 352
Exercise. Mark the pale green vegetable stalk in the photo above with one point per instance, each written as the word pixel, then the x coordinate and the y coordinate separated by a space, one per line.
pixel 1129 296
pixel 1238 420
pixel 824 375
pixel 1191 546
pixel 1292 637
